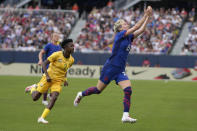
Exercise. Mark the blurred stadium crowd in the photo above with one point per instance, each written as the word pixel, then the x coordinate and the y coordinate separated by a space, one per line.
pixel 190 45
pixel 30 29
pixel 158 38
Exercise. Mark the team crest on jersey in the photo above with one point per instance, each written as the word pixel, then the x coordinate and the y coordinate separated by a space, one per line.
pixel 65 66
pixel 59 60
pixel 41 84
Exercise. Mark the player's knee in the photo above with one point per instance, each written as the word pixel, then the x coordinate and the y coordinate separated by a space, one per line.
pixel 36 96
pixel 54 96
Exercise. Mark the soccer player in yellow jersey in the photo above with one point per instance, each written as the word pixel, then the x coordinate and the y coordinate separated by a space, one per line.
pixel 54 76
pixel 49 49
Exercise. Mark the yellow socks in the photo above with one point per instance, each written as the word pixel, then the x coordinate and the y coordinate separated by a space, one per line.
pixel 45 112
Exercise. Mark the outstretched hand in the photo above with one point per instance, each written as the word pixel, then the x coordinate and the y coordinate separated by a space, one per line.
pixel 40 62
pixel 149 10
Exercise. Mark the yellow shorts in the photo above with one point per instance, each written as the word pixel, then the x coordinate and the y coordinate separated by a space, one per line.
pixel 43 85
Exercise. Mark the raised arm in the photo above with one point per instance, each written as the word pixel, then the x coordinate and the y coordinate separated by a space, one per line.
pixel 141 29
pixel 147 13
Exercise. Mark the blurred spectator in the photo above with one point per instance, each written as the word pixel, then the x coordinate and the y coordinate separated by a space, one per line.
pixel 75 7
pixel 192 15
pixel 190 45
pixel 79 62
pixel 30 8
pixel 110 3
pixel 184 13
pixel 184 51
pixel 157 65
pixel 146 63
pixel 37 7
pixel 195 66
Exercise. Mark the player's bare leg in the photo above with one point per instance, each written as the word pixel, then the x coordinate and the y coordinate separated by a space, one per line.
pixel 44 100
pixel 54 96
pixel 36 95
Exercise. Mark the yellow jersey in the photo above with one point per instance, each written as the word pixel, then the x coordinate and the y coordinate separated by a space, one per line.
pixel 59 65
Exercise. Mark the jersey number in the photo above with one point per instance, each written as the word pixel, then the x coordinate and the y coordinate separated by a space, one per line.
pixel 124 73
pixel 128 48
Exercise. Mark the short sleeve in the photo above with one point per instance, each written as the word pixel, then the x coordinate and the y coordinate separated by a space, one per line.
pixel 46 48
pixel 131 37
pixel 53 57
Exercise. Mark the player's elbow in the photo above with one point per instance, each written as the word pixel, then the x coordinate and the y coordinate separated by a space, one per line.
pixel 42 52
pixel 141 31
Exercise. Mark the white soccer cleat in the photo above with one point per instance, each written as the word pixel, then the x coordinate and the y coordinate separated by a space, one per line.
pixel 78 98
pixel 128 119
pixel 45 102
pixel 28 88
pixel 42 120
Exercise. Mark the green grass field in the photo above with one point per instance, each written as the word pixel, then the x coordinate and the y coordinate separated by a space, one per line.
pixel 158 106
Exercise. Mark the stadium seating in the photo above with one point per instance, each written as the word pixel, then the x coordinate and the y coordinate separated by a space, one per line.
pixel 190 45
pixel 22 29
pixel 28 30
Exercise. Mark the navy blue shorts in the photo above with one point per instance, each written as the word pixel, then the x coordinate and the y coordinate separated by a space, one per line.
pixel 110 72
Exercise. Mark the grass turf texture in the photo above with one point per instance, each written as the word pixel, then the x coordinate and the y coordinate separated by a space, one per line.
pixel 158 106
